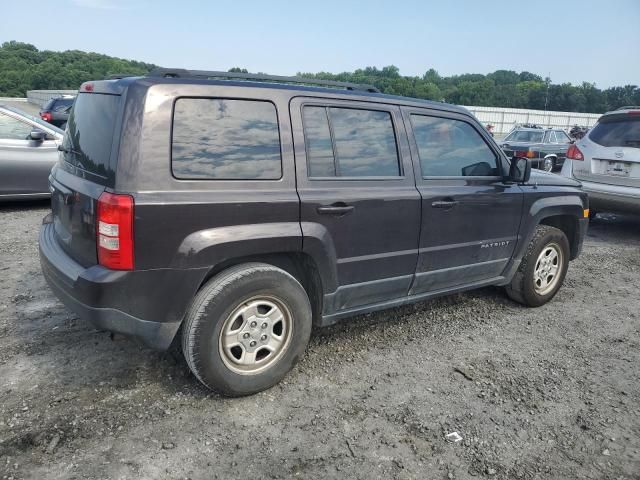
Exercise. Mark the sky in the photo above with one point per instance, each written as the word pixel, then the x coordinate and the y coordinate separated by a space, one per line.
pixel 570 41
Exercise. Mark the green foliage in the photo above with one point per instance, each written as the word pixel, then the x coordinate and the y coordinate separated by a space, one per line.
pixel 23 67
pixel 502 88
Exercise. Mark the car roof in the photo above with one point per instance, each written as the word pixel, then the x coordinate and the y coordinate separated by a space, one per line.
pixel 118 86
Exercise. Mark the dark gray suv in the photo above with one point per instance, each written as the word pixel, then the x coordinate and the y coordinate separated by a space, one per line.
pixel 239 210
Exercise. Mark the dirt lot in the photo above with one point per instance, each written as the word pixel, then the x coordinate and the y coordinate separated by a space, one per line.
pixel 552 392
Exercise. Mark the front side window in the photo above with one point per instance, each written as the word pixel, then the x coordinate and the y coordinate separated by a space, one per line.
pixel 451 148
pixel 349 142
pixel 12 129
pixel 552 137
pixel 221 139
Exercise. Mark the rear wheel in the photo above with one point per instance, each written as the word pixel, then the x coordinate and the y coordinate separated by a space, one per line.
pixel 542 269
pixel 246 328
pixel 549 164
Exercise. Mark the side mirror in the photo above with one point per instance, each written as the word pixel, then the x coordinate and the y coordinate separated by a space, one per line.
pixel 520 170
pixel 37 135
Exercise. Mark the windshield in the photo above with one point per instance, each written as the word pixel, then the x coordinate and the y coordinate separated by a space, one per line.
pixel 87 141
pixel 619 132
pixel 525 136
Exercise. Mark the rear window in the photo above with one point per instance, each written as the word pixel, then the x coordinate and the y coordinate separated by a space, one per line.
pixel 222 139
pixel 525 136
pixel 624 132
pixel 62 104
pixel 89 134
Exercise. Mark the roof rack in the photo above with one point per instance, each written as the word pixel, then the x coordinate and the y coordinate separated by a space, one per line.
pixel 118 76
pixel 182 73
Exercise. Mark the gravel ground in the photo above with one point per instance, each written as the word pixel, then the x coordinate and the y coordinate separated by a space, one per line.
pixel 552 392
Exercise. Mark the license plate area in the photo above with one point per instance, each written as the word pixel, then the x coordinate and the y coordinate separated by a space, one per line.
pixel 614 168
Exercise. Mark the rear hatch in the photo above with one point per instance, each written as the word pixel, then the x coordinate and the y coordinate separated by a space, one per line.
pixel 86 167
pixel 611 151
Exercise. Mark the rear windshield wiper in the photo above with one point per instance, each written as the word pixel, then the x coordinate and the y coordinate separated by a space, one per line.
pixel 67 150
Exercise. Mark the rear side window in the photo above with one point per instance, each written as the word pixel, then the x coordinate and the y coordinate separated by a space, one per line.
pixel 349 142
pixel 89 135
pixel 562 137
pixel 617 133
pixel 451 148
pixel 221 139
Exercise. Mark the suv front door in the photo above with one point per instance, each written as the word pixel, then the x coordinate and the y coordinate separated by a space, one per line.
pixel 470 216
pixel 358 195
pixel 24 163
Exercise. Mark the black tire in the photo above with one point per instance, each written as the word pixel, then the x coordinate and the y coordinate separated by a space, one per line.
pixel 63 126
pixel 522 288
pixel 218 299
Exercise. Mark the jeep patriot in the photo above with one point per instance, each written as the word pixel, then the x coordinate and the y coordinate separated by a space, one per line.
pixel 231 212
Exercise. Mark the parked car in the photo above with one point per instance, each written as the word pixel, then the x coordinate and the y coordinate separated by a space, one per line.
pixel 244 212
pixel 56 111
pixel 607 162
pixel 28 150
pixel 547 149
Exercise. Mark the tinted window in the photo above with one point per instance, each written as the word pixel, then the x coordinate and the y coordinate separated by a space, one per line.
pixel 317 136
pixel 617 133
pixel 363 141
pixel 225 139
pixel 453 148
pixel 89 132
pixel 525 136
pixel 62 104
pixel 12 129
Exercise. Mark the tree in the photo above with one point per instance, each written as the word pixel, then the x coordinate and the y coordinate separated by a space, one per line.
pixel 23 67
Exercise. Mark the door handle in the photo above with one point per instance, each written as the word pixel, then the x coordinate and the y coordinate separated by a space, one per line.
pixel 445 204
pixel 337 209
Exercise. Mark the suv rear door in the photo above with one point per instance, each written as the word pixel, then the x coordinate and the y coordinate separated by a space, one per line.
pixel 356 186
pixel 85 169
pixel 611 151
pixel 470 216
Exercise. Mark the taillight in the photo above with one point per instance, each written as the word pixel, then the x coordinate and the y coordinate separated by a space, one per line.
pixel 46 116
pixel 115 231
pixel 524 154
pixel 574 153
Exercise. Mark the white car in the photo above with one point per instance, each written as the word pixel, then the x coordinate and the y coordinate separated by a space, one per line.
pixel 607 162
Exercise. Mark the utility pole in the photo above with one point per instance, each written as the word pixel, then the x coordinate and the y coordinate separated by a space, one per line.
pixel 546 97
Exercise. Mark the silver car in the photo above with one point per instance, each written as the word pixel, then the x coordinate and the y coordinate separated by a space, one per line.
pixel 607 162
pixel 28 150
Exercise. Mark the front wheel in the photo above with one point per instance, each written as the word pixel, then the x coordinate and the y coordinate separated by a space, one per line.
pixel 246 328
pixel 543 268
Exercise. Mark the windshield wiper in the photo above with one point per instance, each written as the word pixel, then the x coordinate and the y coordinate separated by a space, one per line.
pixel 67 150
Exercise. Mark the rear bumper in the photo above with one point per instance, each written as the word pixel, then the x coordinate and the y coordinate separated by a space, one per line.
pixel 612 197
pixel 148 304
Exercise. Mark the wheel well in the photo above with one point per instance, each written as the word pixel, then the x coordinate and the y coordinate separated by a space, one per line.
pixel 569 225
pixel 300 265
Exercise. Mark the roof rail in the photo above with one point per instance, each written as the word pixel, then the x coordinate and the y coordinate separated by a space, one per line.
pixel 628 107
pixel 118 76
pixel 182 73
